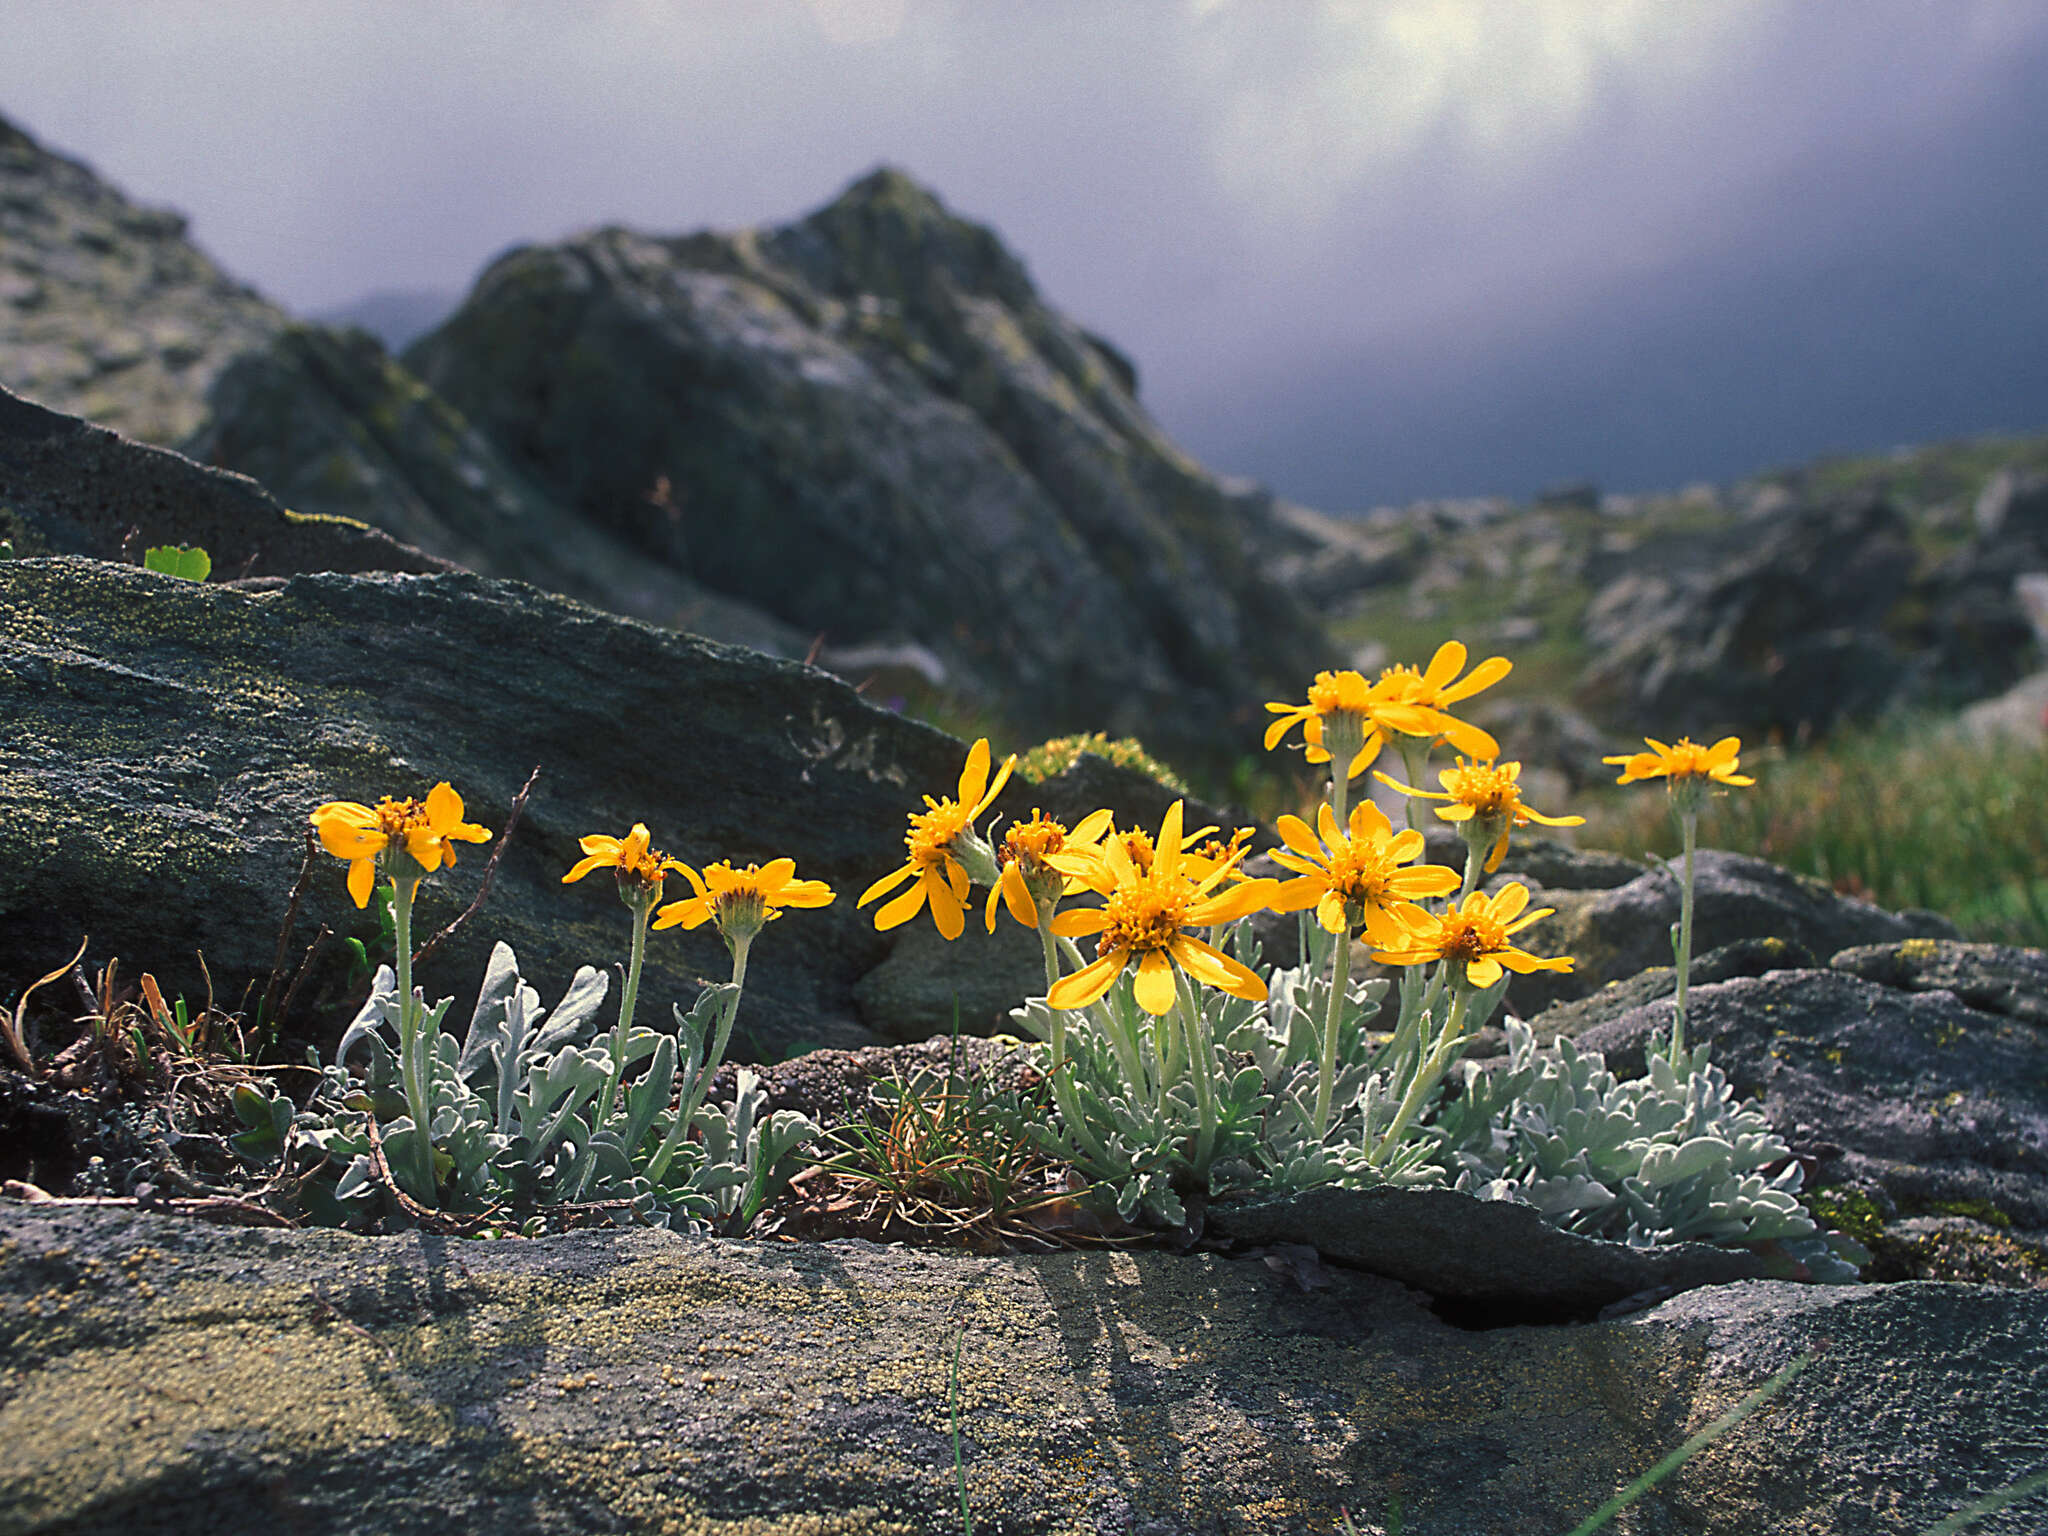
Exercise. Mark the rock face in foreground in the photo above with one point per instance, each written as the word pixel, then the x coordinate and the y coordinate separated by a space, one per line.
pixel 163 1377
pixel 106 310
pixel 869 424
pixel 165 740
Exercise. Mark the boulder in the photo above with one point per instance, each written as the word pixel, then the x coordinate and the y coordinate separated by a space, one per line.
pixel 167 738
pixel 1788 634
pixel 1993 978
pixel 68 487
pixel 1939 1105
pixel 107 310
pixel 170 1377
pixel 1624 930
pixel 870 425
pixel 332 424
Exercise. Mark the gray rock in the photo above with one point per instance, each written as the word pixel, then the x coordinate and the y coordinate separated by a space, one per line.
pixel 1788 634
pixel 1915 1093
pixel 331 424
pixel 1996 978
pixel 869 424
pixel 169 1377
pixel 166 740
pixel 1745 957
pixel 1489 1253
pixel 1620 932
pixel 107 311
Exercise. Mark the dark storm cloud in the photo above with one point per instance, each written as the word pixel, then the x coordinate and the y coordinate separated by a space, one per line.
pixel 1362 250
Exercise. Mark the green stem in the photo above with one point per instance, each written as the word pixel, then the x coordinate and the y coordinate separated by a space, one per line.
pixel 1052 959
pixel 1326 1073
pixel 695 1094
pixel 1475 862
pixel 1427 1076
pixel 1413 768
pixel 628 1001
pixel 1690 820
pixel 1202 1064
pixel 1340 791
pixel 412 1065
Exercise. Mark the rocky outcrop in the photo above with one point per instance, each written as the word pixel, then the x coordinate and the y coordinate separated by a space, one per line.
pixel 329 422
pixel 171 1377
pixel 869 424
pixel 1789 634
pixel 107 311
pixel 166 740
pixel 68 487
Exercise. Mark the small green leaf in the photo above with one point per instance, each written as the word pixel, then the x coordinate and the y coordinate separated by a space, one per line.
pixel 185 561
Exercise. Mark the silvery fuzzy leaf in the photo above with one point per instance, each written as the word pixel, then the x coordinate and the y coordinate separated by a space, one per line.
pixel 378 1010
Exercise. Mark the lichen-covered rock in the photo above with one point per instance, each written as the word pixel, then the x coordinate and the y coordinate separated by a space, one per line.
pixel 164 741
pixel 869 424
pixel 1915 1093
pixel 68 487
pixel 1997 978
pixel 107 311
pixel 168 1377
pixel 1621 931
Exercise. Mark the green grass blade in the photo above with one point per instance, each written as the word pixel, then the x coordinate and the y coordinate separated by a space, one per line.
pixel 1991 1503
pixel 1692 1447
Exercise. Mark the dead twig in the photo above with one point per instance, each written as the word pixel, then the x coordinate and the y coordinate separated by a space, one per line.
pixel 490 873
pixel 284 933
pixel 17 1042
pixel 327 1312
pixel 433 1221
pixel 220 1208
pixel 291 992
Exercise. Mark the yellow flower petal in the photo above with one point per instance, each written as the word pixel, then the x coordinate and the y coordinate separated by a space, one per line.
pixel 1155 987
pixel 1089 983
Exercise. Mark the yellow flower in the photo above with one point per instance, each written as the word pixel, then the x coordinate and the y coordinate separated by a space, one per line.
pixel 942 841
pixel 1438 685
pixel 1684 761
pixel 1475 935
pixel 741 901
pixel 1144 918
pixel 1355 879
pixel 1488 796
pixel 1213 853
pixel 421 831
pixel 1028 875
pixel 641 868
pixel 1345 713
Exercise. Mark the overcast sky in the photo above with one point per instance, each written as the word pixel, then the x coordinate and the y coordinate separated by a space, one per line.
pixel 1361 249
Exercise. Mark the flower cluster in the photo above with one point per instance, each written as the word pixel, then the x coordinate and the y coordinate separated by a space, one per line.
pixel 1177 1063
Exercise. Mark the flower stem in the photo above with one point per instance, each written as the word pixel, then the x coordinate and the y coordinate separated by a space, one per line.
pixel 628 1001
pixel 412 1059
pixel 1427 1075
pixel 1689 820
pixel 694 1095
pixel 1052 956
pixel 1340 983
pixel 1340 791
pixel 1475 861
pixel 1202 1051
